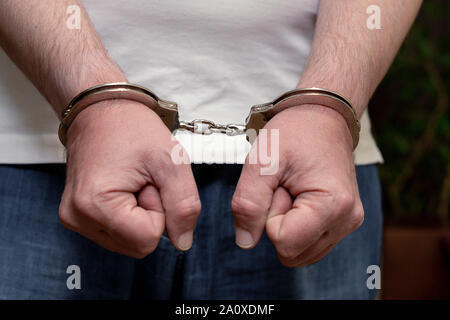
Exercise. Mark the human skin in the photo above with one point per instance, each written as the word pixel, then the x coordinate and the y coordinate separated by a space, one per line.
pixel 312 202
pixel 119 148
pixel 122 189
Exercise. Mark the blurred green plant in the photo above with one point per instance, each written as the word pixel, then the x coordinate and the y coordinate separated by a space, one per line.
pixel 411 123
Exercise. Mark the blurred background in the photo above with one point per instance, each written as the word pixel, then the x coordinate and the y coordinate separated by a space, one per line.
pixel 411 122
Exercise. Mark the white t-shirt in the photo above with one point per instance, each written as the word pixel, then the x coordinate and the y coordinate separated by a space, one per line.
pixel 215 59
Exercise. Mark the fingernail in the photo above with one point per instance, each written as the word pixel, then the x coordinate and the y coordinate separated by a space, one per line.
pixel 185 241
pixel 243 238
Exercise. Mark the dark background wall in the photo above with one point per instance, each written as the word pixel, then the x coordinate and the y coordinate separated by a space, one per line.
pixel 411 123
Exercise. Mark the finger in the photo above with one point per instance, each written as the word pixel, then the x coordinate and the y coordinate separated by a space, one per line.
pixel 103 239
pixel 181 203
pixel 295 231
pixel 341 229
pixel 251 203
pixel 281 203
pixel 130 225
pixel 317 258
pixel 149 199
pixel 92 230
pixel 310 253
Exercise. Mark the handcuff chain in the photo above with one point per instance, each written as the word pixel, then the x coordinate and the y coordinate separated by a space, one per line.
pixel 207 127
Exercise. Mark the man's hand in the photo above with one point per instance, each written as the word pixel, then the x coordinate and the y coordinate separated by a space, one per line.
pixel 118 164
pixel 312 202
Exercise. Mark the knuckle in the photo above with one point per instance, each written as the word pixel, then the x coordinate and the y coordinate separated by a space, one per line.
pixel 63 210
pixel 357 218
pixel 161 161
pixel 90 199
pixel 245 208
pixel 151 240
pixel 64 218
pixel 137 255
pixel 343 202
pixel 287 253
pixel 65 215
pixel 139 247
pixel 308 263
pixel 188 209
pixel 288 263
pixel 82 202
pixel 145 250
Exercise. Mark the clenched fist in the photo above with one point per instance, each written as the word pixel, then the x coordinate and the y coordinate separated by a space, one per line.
pixel 122 188
pixel 312 201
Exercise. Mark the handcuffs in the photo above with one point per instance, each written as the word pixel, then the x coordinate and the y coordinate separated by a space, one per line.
pixel 258 116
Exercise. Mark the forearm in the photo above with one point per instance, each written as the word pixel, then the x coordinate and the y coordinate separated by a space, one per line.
pixel 350 58
pixel 59 61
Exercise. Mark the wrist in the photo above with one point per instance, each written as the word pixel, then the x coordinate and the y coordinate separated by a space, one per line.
pixel 166 110
pixel 83 72
pixel 355 93
pixel 260 114
pixel 319 122
pixel 107 115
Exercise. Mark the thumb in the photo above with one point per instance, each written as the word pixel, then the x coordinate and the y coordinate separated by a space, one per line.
pixel 251 203
pixel 181 203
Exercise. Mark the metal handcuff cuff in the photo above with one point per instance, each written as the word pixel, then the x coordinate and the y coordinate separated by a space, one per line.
pixel 168 111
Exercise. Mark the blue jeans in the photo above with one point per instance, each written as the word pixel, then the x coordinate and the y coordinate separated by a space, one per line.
pixel 35 250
